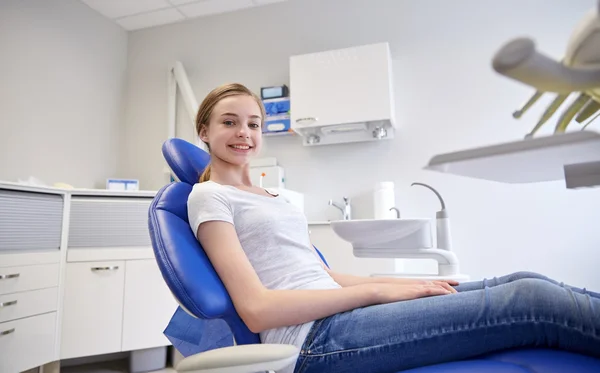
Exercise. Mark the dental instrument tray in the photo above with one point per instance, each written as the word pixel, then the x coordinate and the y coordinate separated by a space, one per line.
pixel 572 156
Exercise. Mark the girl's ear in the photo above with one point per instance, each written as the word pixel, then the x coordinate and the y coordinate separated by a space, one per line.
pixel 204 134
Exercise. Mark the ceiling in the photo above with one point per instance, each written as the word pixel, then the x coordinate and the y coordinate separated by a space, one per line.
pixel 139 14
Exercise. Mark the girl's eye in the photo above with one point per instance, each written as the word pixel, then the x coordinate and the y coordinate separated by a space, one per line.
pixel 228 122
pixel 255 125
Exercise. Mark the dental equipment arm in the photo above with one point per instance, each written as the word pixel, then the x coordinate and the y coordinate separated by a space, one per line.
pixel 177 77
pixel 520 61
pixel 577 72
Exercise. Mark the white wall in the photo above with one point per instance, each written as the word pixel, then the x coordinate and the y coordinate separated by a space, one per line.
pixel 62 73
pixel 448 98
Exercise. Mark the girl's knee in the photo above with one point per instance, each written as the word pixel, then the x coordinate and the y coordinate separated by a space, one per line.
pixel 526 275
pixel 534 287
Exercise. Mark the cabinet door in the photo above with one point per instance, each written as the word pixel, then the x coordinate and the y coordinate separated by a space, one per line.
pixel 148 308
pixel 348 85
pixel 340 257
pixel 93 309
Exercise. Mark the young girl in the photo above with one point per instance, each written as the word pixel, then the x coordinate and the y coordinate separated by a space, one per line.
pixel 260 247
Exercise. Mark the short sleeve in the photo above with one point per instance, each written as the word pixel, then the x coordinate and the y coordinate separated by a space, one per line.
pixel 207 204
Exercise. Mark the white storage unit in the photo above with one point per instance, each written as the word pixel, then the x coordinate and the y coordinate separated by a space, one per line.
pixel 78 276
pixel 30 239
pixel 115 298
pixel 343 95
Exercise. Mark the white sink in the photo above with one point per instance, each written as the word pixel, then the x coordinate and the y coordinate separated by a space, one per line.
pixel 390 234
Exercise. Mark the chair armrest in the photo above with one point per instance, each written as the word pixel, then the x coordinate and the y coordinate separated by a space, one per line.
pixel 250 358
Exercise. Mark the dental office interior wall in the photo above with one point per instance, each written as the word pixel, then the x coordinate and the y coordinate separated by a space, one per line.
pixel 62 74
pixel 447 98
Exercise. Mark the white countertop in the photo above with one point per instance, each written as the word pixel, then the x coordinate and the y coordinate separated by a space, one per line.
pixel 76 191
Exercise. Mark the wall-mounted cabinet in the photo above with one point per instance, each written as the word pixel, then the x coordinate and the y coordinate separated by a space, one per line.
pixel 343 95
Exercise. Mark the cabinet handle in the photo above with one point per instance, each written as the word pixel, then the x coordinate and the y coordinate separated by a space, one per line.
pixel 307 119
pixel 111 268
pixel 7 331
pixel 13 275
pixel 6 304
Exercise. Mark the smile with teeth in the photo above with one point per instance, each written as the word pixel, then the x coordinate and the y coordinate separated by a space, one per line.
pixel 241 147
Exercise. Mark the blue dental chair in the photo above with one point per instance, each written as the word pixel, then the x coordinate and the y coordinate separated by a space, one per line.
pixel 200 293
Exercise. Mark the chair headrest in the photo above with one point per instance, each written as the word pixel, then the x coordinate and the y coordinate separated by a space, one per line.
pixel 182 261
pixel 186 160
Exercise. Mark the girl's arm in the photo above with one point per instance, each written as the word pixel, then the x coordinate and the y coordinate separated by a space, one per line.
pixel 261 308
pixel 344 279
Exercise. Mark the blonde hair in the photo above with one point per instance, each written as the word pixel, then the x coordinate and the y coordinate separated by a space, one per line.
pixel 208 104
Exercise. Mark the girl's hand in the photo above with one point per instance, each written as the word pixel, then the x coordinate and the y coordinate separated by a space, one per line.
pixel 389 293
pixel 445 283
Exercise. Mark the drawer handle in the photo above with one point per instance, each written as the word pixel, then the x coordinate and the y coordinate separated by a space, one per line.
pixel 7 331
pixel 13 275
pixel 6 304
pixel 111 268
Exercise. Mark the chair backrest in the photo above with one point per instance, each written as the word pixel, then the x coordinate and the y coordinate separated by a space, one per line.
pixel 181 259
pixel 184 265
pixel 186 160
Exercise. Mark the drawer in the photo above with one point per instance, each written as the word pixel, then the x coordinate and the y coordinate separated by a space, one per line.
pixel 27 343
pixel 24 278
pixel 29 303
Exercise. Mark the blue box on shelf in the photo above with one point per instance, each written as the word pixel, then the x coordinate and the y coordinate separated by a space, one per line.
pixel 277 124
pixel 277 106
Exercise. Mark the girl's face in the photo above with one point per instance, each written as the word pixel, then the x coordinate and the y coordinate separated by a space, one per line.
pixel 234 133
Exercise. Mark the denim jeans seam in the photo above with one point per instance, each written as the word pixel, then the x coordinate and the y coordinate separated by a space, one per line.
pixel 453 330
pixel 311 336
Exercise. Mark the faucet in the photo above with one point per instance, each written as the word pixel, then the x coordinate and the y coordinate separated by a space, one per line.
pixel 346 209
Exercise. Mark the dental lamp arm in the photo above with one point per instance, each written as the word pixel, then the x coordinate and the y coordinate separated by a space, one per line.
pixel 520 61
pixel 189 99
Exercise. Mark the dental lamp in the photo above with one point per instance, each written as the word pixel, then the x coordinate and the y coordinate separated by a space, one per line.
pixel 578 72
pixel 572 156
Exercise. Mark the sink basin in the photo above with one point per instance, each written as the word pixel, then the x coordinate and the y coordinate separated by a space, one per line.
pixel 394 234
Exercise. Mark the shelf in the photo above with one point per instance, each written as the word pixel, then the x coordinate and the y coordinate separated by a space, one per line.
pixel 525 161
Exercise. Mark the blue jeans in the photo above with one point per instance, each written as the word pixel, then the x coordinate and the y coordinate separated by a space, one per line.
pixel 522 309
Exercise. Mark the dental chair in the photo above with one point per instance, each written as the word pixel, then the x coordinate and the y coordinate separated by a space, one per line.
pixel 194 283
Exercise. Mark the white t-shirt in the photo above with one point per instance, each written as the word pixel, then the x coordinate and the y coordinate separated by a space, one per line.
pixel 274 236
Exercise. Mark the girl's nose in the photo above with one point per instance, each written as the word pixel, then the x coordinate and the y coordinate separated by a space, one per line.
pixel 243 131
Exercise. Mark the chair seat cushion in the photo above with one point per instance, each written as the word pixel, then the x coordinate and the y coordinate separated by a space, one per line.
pixel 519 361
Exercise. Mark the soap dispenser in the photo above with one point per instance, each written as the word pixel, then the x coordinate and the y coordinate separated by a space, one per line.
pixel 442 224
